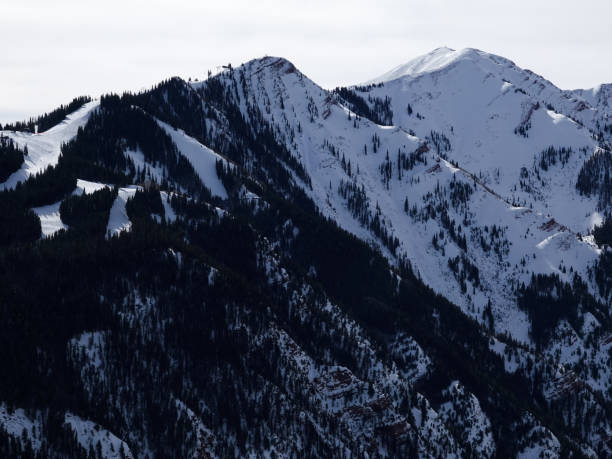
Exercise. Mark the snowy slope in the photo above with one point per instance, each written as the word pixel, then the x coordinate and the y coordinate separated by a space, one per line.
pixel 585 105
pixel 44 148
pixel 22 426
pixel 479 103
pixel 118 219
pixel 438 59
pixel 456 187
pixel 169 213
pixel 463 410
pixel 87 187
pixel 476 100
pixel 19 425
pixel 202 158
pixel 599 97
pixel 458 95
pixel 89 434
pixel 293 102
pixel 153 172
pixel 474 183
pixel 50 220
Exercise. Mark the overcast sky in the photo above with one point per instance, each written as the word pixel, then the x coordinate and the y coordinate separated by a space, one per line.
pixel 52 51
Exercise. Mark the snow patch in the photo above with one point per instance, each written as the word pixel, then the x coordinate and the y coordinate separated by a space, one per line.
pixel 202 158
pixel 89 434
pixel 44 149
pixel 50 220
pixel 118 219
pixel 16 422
pixel 169 213
pixel 151 172
pixel 87 187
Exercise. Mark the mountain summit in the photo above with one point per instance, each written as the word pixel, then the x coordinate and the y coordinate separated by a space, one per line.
pixel 440 59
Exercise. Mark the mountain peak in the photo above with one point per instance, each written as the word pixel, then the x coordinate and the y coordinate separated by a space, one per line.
pixel 279 64
pixel 439 59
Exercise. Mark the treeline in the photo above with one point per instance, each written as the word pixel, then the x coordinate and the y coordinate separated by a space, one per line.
pixel 249 141
pixel 602 270
pixel 595 178
pixel 440 142
pixel 88 213
pixel 548 300
pixel 48 120
pixel 177 104
pixel 358 204
pixel 97 154
pixel 603 233
pixel 65 443
pixel 377 110
pixel 11 157
pixel 145 203
pixel 403 162
pixel 551 155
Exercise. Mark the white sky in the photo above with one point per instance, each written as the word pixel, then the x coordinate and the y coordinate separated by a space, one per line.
pixel 54 50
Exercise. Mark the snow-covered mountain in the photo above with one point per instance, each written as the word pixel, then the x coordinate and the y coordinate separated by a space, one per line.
pixel 473 183
pixel 458 161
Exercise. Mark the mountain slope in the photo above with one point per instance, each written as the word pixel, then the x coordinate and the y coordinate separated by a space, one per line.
pixel 493 228
pixel 44 149
pixel 351 159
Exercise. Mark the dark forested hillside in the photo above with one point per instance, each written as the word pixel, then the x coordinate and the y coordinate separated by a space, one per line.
pixel 11 157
